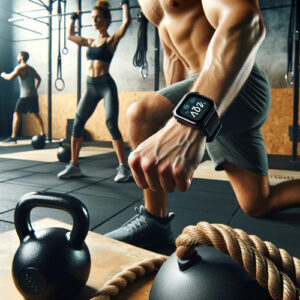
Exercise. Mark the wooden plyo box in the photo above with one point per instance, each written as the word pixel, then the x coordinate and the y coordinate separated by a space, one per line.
pixel 108 256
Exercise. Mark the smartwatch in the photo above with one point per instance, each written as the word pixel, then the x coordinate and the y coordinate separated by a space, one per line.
pixel 200 112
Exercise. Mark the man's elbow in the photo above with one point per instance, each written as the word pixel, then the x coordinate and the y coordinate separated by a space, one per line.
pixel 262 30
pixel 248 26
pixel 255 24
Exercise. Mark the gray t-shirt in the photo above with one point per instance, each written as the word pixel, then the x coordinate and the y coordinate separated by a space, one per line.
pixel 27 85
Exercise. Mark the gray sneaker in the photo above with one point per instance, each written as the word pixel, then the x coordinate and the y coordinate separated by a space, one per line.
pixel 146 231
pixel 71 171
pixel 123 174
pixel 10 140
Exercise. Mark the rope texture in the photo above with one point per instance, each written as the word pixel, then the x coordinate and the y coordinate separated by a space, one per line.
pixel 273 268
pixel 120 281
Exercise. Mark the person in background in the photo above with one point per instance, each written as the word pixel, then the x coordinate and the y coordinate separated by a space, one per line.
pixel 100 85
pixel 29 81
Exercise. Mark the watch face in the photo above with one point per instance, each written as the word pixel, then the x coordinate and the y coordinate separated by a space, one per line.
pixel 194 108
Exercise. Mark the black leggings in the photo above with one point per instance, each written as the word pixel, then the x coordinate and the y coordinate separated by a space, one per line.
pixel 98 88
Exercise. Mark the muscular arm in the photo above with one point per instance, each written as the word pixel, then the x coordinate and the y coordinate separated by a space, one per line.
pixel 12 75
pixel 174 70
pixel 77 39
pixel 232 50
pixel 115 38
pixel 167 159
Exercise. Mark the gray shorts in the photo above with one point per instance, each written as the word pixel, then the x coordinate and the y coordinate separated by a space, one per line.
pixel 240 141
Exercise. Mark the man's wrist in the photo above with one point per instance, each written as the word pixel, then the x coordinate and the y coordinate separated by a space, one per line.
pixel 174 122
pixel 200 112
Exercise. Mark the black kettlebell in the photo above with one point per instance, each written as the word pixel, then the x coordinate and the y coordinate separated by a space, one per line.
pixel 38 141
pixel 64 151
pixel 51 263
pixel 209 275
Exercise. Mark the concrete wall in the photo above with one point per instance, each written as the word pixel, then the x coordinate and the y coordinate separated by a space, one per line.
pixel 7 101
pixel 271 57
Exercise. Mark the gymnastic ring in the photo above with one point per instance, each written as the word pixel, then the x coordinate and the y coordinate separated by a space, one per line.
pixel 65 51
pixel 57 81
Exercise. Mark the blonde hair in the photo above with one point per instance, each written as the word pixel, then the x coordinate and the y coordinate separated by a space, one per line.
pixel 103 7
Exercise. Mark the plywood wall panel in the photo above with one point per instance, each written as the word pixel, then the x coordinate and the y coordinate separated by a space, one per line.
pixel 274 131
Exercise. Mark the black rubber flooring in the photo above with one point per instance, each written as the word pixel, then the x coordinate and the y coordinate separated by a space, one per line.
pixel 110 204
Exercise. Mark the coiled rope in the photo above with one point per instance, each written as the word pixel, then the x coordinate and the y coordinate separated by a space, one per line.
pixel 273 268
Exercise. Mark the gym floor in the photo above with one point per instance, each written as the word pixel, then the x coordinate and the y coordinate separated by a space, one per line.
pixel 110 204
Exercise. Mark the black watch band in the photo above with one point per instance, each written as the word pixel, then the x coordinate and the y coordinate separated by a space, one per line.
pixel 200 112
pixel 212 127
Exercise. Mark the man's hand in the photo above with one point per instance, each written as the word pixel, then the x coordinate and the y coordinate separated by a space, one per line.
pixel 168 159
pixel 3 75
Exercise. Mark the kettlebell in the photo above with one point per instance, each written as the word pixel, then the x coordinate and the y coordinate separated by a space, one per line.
pixel 51 263
pixel 208 274
pixel 64 151
pixel 38 141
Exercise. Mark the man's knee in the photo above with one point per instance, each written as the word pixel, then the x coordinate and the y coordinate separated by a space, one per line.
pixel 137 113
pixel 255 207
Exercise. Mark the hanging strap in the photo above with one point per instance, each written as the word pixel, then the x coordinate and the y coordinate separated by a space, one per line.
pixel 65 49
pixel 140 56
pixel 59 82
pixel 290 45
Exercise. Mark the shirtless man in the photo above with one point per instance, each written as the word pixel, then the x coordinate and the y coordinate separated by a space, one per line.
pixel 29 81
pixel 215 43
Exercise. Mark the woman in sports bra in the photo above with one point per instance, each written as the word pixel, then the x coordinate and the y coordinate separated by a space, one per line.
pixel 99 85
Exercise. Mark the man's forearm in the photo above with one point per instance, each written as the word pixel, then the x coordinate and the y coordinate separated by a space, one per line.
pixel 229 60
pixel 6 76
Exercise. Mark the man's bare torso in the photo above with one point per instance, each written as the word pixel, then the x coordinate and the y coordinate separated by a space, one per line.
pixel 183 28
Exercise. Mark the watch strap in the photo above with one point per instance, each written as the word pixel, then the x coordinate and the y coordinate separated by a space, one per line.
pixel 212 127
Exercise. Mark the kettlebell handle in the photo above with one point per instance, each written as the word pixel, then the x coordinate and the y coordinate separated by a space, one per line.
pixel 70 204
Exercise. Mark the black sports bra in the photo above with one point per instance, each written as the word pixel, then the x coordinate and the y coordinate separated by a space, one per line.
pixel 99 53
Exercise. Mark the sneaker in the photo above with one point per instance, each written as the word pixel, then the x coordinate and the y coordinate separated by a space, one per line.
pixel 123 174
pixel 145 231
pixel 10 140
pixel 71 171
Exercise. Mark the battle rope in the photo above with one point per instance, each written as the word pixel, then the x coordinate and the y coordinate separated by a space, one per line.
pixel 260 259
pixel 273 268
pixel 120 281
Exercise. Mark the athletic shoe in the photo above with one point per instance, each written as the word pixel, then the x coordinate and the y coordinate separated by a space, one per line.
pixel 147 231
pixel 123 174
pixel 71 171
pixel 10 140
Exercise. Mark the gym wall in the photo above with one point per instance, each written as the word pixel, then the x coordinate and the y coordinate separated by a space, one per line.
pixel 271 59
pixel 7 97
